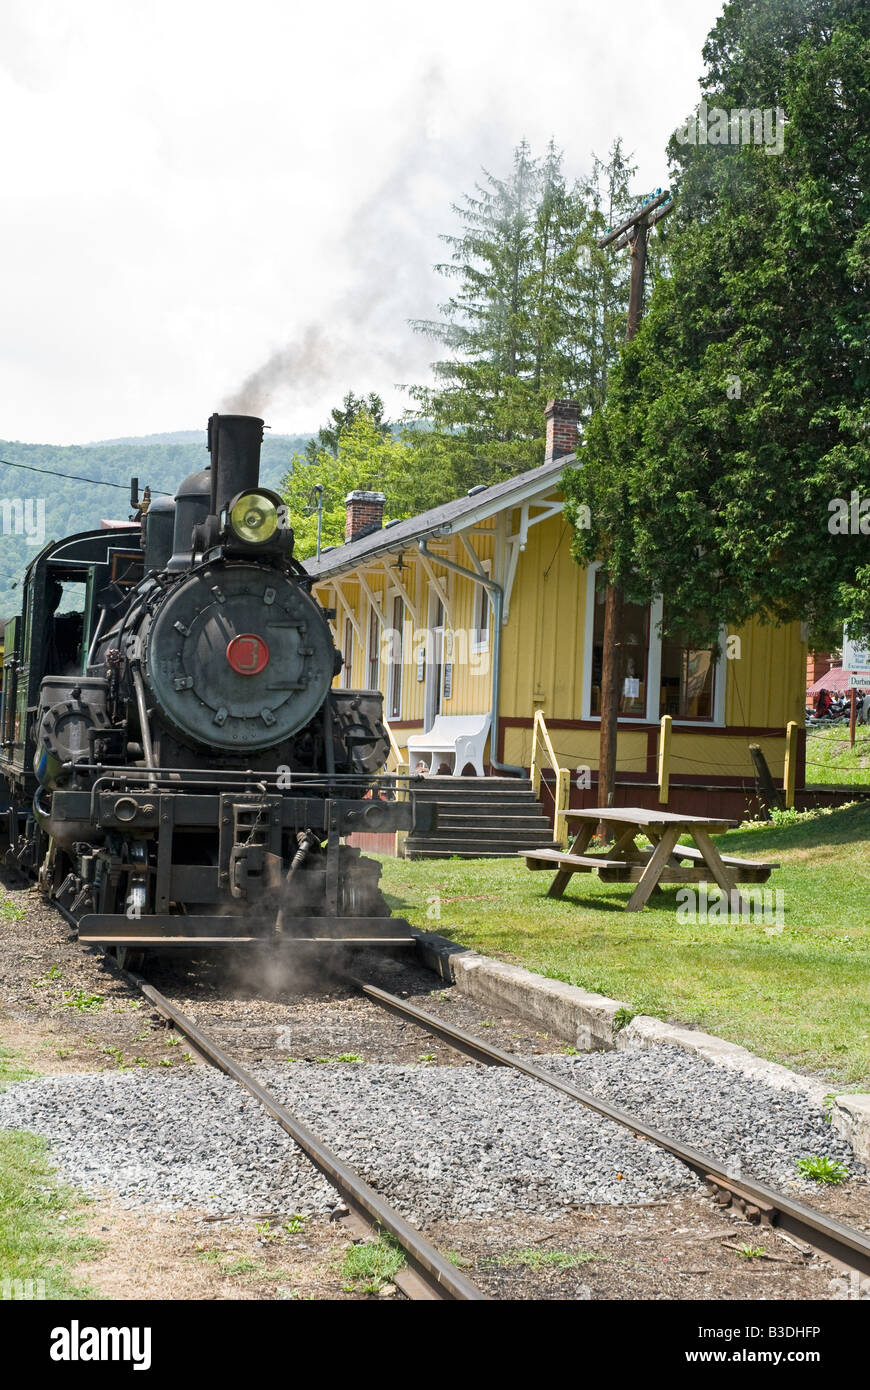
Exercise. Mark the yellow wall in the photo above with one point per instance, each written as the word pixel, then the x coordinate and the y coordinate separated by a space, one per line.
pixel 542 653
pixel 767 682
pixel 579 748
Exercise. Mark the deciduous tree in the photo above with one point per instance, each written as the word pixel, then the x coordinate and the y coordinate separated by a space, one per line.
pixel 740 411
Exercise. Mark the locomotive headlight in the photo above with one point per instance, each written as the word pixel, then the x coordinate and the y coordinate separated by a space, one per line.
pixel 254 517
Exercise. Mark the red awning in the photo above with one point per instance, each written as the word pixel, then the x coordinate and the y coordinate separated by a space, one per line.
pixel 836 679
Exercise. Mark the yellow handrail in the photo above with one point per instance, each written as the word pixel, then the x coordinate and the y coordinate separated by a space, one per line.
pixel 665 728
pixel 395 751
pixel 563 778
pixel 789 777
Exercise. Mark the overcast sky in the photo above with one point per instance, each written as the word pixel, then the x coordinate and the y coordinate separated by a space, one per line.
pixel 189 188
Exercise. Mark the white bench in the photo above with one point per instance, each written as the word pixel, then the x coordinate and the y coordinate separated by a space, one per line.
pixel 460 736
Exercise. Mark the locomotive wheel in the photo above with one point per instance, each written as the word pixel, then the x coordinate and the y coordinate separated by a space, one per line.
pixel 128 957
pixel 360 893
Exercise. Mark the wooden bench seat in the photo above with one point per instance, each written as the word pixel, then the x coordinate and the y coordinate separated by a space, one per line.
pixel 546 858
pixel 630 871
pixel 749 870
pixel 689 852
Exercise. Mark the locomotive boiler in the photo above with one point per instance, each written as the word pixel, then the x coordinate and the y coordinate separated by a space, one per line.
pixel 180 772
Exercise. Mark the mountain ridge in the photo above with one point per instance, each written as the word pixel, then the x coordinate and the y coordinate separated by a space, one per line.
pixel 38 507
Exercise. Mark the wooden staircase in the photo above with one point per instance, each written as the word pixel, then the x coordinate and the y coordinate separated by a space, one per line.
pixel 481 818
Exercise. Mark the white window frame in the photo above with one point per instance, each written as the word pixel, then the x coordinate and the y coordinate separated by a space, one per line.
pixel 654 669
pixel 395 681
pixel 373 648
pixel 434 694
pixel 347 655
pixel 481 595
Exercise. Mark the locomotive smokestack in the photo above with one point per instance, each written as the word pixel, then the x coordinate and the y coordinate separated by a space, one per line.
pixel 234 444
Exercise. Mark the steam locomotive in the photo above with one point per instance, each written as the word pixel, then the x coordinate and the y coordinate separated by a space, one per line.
pixel 179 772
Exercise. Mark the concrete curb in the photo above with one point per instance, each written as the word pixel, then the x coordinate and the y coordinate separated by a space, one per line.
pixel 580 1017
pixel 590 1020
pixel 850 1118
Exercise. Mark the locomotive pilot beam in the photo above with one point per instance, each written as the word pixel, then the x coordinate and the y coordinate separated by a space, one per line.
pixel 206 932
pixel 179 771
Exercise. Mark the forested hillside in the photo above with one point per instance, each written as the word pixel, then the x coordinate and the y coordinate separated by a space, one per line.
pixel 159 461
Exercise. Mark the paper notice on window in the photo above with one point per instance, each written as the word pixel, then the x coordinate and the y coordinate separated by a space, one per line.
pixel 631 688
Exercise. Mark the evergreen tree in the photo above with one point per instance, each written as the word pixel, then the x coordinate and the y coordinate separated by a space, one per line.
pixel 538 312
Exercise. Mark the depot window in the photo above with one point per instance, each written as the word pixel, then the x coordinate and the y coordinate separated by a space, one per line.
pixel 634 650
pixel 688 677
pixel 480 634
pixel 661 670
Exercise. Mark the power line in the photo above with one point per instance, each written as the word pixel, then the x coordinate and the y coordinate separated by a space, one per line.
pixel 73 477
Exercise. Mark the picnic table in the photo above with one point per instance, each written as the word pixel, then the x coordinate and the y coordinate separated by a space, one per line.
pixel 662 861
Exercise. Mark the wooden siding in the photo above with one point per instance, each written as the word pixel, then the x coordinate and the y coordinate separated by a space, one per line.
pixel 542 652
pixel 579 748
pixel 766 682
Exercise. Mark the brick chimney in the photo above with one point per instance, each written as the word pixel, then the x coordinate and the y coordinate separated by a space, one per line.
pixel 365 513
pixel 562 421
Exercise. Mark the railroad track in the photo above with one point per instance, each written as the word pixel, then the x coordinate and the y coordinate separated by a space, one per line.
pixel 825 1235
pixel 430 1275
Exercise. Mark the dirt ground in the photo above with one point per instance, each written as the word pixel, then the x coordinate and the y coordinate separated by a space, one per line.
pixel 682 1249
pixel 64 1008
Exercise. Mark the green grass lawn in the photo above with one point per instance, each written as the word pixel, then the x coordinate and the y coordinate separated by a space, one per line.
pixel 40 1222
pixel 798 994
pixel 830 760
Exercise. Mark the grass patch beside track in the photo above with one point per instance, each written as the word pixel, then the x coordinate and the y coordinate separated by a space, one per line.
pixel 371 1264
pixel 796 994
pixel 41 1240
pixel 543 1259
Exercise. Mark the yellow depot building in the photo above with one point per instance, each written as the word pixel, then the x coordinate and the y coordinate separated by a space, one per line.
pixel 476 608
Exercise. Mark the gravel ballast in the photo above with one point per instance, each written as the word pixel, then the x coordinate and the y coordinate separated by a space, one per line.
pixel 754 1129
pixel 457 1141
pixel 437 1141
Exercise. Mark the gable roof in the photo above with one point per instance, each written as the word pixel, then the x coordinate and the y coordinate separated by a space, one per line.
pixel 442 520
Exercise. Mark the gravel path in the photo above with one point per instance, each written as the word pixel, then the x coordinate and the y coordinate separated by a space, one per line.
pixel 460 1142
pixel 437 1141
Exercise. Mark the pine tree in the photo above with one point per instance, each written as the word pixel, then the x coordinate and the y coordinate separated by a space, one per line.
pixel 486 324
pixel 538 312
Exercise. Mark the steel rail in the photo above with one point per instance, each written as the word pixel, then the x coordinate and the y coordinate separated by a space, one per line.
pixel 437 1278
pixel 827 1235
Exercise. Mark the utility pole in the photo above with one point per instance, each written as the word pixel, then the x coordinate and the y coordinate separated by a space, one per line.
pixel 633 232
